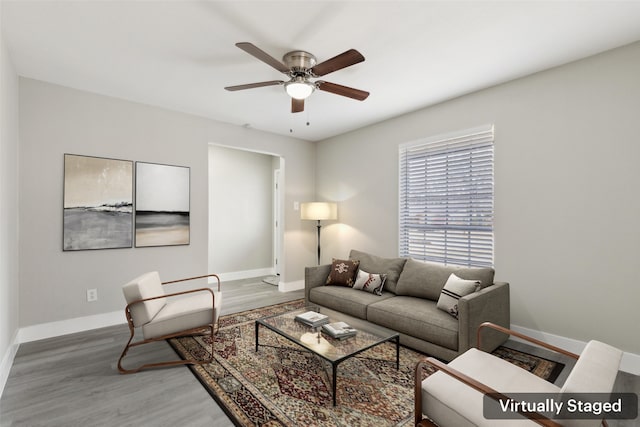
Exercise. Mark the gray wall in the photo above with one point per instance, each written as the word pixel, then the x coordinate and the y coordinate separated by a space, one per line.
pixel 240 210
pixel 55 120
pixel 567 156
pixel 8 205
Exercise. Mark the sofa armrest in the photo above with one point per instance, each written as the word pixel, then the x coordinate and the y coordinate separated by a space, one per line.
pixel 314 277
pixel 490 304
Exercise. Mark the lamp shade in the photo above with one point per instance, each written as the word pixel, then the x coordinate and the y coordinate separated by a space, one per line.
pixel 319 211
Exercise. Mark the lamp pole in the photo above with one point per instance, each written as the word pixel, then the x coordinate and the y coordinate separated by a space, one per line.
pixel 319 227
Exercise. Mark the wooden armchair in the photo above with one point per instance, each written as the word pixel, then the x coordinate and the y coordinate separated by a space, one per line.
pixel 163 315
pixel 454 395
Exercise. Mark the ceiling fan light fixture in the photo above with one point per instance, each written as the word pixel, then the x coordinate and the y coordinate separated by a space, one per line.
pixel 299 88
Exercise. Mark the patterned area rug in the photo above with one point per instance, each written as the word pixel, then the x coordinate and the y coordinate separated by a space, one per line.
pixel 284 385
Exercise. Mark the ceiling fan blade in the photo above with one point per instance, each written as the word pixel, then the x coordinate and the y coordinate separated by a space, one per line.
pixel 297 105
pixel 254 85
pixel 349 92
pixel 338 62
pixel 263 56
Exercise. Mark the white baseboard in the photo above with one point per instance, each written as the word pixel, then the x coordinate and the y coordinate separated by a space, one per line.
pixel 246 274
pixel 7 362
pixel 291 286
pixel 630 361
pixel 70 326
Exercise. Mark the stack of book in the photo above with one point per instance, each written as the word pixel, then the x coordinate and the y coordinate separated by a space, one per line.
pixel 312 318
pixel 339 330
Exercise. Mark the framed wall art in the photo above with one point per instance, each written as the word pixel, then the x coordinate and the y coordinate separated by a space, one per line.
pixel 162 205
pixel 98 203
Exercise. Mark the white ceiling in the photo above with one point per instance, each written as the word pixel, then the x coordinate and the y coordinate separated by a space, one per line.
pixel 181 54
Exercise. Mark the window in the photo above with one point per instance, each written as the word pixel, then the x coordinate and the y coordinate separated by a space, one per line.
pixel 446 198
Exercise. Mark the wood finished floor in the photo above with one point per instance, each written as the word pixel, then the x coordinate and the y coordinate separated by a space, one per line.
pixel 73 380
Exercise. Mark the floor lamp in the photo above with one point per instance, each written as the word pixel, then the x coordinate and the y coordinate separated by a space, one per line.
pixel 318 211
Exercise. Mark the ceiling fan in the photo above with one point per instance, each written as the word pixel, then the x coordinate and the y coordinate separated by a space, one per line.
pixel 301 66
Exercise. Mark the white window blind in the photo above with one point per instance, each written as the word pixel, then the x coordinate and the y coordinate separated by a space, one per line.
pixel 446 198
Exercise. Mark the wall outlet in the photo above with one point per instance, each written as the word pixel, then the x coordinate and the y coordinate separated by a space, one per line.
pixel 92 295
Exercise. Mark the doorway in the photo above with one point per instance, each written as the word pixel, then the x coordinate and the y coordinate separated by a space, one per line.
pixel 245 224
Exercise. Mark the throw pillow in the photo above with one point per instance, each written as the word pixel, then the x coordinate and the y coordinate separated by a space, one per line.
pixel 343 272
pixel 370 282
pixel 453 290
pixel 391 267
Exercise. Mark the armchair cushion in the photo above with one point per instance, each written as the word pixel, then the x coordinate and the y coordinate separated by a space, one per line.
pixel 452 403
pixel 595 371
pixel 146 286
pixel 180 314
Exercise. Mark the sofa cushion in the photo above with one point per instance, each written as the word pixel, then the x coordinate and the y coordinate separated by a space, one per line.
pixel 417 317
pixel 453 290
pixel 392 267
pixel 369 282
pixel 345 300
pixel 426 279
pixel 343 272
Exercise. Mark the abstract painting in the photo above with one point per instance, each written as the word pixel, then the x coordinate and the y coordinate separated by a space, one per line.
pixel 98 203
pixel 162 205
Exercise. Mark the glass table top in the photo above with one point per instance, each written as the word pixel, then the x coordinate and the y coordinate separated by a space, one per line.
pixel 313 338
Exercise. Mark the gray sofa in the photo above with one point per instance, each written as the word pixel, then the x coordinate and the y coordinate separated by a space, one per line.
pixel 408 303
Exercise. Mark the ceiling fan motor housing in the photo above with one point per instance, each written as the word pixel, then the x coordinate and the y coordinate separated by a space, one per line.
pixel 299 62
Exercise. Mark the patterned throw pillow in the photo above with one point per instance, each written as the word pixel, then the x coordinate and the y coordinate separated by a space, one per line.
pixel 370 282
pixel 453 290
pixel 343 272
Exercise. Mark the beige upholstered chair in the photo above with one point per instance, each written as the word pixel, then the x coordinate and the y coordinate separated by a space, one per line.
pixel 163 315
pixel 453 396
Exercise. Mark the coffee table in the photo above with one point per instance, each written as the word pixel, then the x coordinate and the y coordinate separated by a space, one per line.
pixel 330 349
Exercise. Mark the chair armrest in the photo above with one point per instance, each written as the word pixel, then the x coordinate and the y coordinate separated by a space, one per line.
pixel 504 330
pixel 490 304
pixel 314 277
pixel 467 380
pixel 193 278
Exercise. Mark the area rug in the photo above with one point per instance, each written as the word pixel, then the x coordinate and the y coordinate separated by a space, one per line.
pixel 284 385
